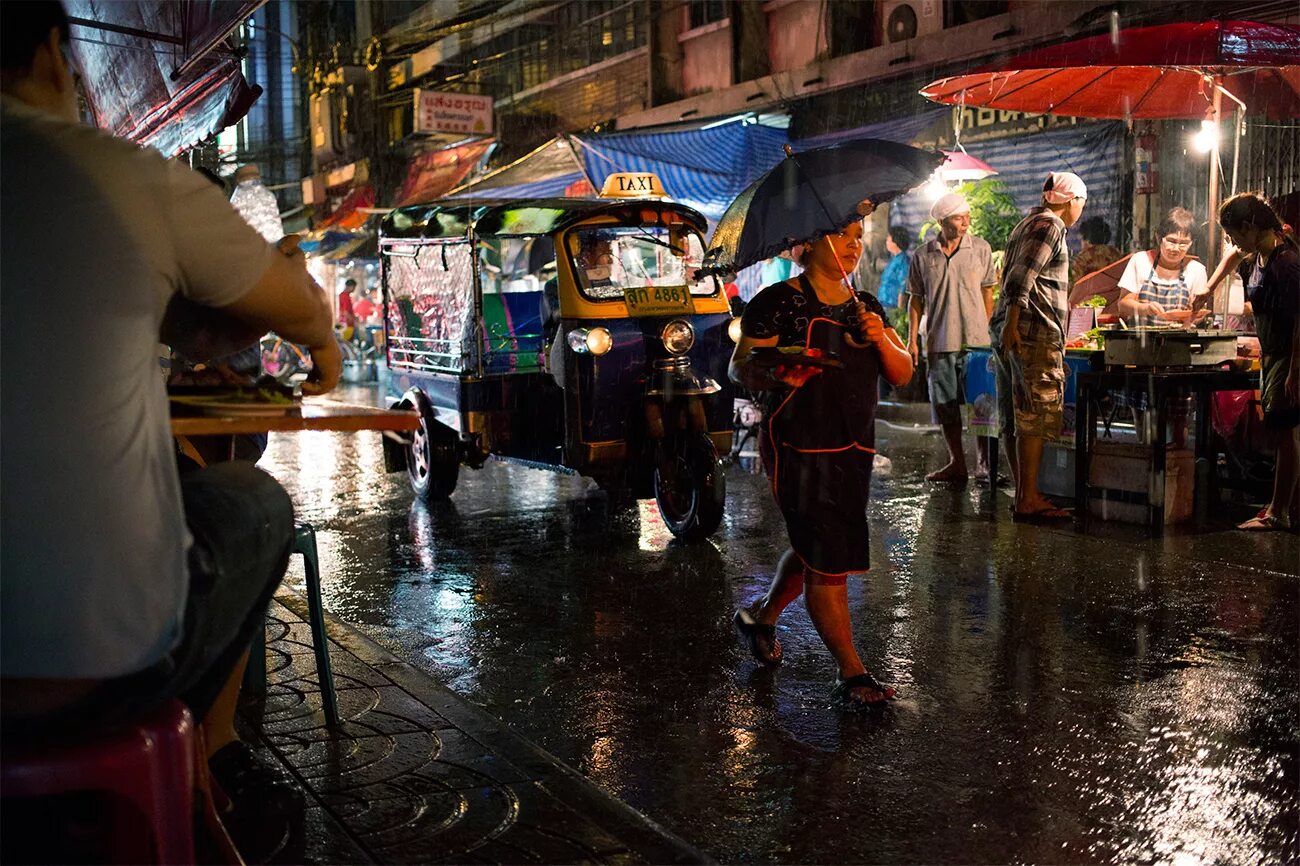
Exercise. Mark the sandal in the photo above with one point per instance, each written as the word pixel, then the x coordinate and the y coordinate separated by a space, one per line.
pixel 842 694
pixel 760 637
pixel 941 477
pixel 1042 517
pixel 1265 521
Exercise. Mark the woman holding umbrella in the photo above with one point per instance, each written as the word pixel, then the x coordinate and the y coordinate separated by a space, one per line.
pixel 817 445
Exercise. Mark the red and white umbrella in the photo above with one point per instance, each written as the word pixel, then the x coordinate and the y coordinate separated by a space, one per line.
pixel 961 166
pixel 1169 71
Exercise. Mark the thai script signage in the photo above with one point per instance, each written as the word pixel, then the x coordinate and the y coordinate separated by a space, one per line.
pixel 462 113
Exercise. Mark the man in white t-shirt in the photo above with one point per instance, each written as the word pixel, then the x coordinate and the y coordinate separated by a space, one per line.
pixel 124 586
pixel 1162 284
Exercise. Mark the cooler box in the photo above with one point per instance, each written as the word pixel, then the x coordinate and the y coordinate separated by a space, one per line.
pixel 1119 468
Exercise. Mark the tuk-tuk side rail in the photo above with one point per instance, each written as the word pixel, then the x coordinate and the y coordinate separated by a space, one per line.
pixel 427 353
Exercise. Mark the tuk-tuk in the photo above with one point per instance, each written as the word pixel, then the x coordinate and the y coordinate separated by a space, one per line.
pixel 567 334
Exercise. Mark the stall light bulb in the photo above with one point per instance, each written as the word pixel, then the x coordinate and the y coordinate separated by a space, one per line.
pixel 935 189
pixel 1208 138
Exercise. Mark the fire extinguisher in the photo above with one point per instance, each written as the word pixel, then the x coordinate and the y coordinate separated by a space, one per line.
pixel 1146 175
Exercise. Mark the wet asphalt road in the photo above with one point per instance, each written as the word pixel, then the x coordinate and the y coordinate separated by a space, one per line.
pixel 1063 699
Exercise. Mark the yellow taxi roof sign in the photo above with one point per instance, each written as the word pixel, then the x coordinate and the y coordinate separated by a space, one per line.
pixel 633 184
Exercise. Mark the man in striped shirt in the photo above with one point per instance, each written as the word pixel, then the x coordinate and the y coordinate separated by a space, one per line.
pixel 1028 333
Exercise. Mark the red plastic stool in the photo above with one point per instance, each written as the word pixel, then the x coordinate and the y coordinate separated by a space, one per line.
pixel 150 763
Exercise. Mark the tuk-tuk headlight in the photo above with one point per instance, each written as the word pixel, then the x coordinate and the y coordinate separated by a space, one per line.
pixel 597 341
pixel 678 337
pixel 733 330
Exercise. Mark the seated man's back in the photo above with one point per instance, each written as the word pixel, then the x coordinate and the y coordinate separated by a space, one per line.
pixel 98 234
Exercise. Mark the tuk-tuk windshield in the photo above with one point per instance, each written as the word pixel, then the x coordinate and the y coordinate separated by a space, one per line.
pixel 608 260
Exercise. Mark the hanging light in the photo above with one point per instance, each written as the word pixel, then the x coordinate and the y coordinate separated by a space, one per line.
pixel 1207 139
pixel 935 188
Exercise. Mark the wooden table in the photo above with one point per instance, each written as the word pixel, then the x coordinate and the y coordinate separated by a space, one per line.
pixel 1159 385
pixel 311 414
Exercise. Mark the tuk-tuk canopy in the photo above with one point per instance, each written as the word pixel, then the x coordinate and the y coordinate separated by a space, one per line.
pixel 451 219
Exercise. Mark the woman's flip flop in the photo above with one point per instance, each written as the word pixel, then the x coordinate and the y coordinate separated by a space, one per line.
pixel 842 694
pixel 760 637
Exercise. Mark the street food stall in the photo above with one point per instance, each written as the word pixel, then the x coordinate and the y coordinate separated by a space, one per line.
pixel 1186 71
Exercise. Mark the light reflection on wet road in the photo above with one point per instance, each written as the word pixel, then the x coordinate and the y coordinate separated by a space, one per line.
pixel 1062 699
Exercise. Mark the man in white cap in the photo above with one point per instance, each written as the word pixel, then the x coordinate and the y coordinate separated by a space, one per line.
pixel 951 281
pixel 1028 333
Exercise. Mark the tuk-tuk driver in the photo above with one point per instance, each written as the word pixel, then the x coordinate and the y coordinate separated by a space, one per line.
pixel 592 260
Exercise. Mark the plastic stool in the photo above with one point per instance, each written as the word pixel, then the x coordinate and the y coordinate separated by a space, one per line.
pixel 149 762
pixel 304 543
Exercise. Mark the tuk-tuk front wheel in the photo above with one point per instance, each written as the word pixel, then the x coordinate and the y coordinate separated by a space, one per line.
pixel 690 486
pixel 433 463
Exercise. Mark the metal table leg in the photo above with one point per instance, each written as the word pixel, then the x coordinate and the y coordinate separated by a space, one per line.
pixel 1156 501
pixel 1083 429
pixel 1204 455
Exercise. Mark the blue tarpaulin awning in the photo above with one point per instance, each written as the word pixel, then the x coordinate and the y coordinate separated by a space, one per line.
pixel 1092 151
pixel 705 168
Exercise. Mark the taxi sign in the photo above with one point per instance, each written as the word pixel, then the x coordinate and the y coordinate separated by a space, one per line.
pixel 658 301
pixel 633 184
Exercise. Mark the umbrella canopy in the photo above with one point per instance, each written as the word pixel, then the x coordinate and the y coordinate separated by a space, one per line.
pixel 961 166
pixel 813 194
pixel 1155 72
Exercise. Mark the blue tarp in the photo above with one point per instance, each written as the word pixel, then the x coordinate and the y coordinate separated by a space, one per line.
pixel 1093 151
pixel 703 168
pixel 544 173
pixel 904 130
pixel 549 187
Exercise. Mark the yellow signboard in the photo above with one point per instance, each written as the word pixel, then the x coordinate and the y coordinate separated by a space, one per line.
pixel 632 184
pixel 658 301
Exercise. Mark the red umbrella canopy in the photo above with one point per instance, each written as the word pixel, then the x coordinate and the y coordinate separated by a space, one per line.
pixel 1149 72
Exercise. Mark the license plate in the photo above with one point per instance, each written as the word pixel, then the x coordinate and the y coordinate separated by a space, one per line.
pixel 656 301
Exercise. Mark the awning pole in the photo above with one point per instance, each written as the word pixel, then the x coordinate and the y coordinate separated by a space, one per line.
pixel 1212 215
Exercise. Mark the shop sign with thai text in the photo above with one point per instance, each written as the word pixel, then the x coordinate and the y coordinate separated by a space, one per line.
pixel 463 113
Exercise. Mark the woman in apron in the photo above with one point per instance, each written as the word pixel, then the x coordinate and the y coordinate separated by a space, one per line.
pixel 818 444
pixel 1162 283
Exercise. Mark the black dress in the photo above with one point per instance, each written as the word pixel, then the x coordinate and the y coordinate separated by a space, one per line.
pixel 818 442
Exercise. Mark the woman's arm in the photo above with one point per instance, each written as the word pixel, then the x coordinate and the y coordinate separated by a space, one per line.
pixel 895 360
pixel 1232 258
pixel 754 377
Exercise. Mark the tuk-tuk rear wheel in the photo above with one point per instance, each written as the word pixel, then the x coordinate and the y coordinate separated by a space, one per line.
pixel 691 501
pixel 433 463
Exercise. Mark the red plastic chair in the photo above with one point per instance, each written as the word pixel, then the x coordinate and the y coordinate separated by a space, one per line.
pixel 150 763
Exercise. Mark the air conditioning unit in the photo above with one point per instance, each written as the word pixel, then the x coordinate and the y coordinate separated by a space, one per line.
pixel 901 20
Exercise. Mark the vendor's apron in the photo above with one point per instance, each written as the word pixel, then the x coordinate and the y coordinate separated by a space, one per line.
pixel 1169 294
pixel 822 438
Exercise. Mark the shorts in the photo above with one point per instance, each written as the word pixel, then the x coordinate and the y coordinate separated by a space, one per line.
pixel 947 378
pixel 1031 390
pixel 242 523
pixel 1279 412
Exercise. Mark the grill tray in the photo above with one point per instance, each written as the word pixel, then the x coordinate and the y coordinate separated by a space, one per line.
pixel 1169 347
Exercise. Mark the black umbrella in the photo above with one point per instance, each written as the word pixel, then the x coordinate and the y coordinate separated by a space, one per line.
pixel 810 195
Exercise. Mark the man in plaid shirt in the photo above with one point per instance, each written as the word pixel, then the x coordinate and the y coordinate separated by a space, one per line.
pixel 1028 334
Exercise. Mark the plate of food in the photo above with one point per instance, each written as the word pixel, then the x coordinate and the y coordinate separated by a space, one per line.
pixel 772 356
pixel 261 401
